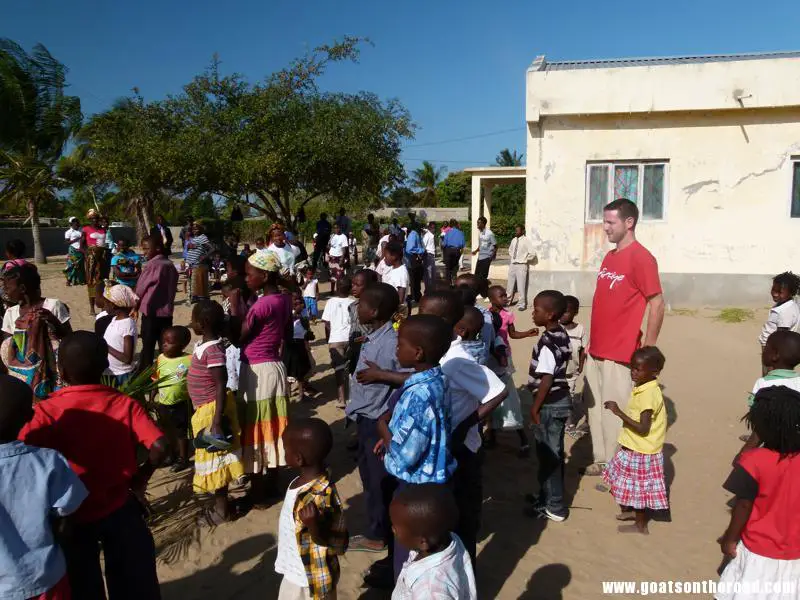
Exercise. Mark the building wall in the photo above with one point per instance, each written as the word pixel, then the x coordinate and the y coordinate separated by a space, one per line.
pixel 728 188
pixel 52 238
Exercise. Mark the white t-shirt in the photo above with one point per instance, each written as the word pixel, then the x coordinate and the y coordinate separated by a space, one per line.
pixel 338 315
pixel 793 383
pixel 577 341
pixel 118 330
pixel 299 330
pixel 547 362
pixel 382 269
pixel 397 277
pixel 59 309
pixel 288 562
pixel 310 290
pixel 429 241
pixel 445 574
pixel 338 244
pixel 783 316
pixel 469 385
pixel 285 256
pixel 73 236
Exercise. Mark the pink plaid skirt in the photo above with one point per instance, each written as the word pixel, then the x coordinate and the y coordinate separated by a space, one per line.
pixel 637 480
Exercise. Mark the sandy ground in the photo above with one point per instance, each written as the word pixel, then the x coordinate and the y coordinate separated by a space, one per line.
pixel 710 368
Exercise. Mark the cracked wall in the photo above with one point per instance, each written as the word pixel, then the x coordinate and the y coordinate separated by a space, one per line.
pixel 728 188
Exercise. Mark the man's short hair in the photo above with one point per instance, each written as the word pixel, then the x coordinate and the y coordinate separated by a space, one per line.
pixel 625 208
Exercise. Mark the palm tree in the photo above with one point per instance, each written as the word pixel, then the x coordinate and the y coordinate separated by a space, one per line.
pixel 36 120
pixel 425 179
pixel 506 158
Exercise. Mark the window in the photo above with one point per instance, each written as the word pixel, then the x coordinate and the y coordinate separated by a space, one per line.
pixel 796 187
pixel 642 183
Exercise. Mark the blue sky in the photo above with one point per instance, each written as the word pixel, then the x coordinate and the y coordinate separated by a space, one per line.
pixel 457 66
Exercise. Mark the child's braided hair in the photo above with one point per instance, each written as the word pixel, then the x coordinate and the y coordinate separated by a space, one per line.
pixel 775 418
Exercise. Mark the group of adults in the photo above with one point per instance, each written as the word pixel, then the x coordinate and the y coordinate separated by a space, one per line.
pixel 91 250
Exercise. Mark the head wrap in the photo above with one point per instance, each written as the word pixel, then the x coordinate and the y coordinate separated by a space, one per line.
pixel 266 261
pixel 71 219
pixel 92 213
pixel 121 296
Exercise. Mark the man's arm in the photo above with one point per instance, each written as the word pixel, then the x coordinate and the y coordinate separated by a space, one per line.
pixel 655 318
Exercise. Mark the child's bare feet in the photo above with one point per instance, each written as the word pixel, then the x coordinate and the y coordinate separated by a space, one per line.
pixel 626 515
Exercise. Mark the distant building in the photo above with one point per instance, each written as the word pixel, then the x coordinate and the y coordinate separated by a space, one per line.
pixel 707 146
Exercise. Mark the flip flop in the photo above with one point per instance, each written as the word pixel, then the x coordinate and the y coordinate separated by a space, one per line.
pixel 593 470
pixel 357 544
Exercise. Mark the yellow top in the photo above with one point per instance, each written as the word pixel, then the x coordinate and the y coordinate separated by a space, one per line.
pixel 646 397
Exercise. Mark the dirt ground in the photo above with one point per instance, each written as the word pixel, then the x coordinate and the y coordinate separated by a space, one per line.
pixel 710 367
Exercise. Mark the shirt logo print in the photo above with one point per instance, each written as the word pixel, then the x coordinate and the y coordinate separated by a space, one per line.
pixel 610 275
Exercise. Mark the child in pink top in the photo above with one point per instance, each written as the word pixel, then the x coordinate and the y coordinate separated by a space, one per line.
pixel 507 416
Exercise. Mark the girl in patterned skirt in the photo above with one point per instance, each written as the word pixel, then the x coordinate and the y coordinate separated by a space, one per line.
pixel 636 472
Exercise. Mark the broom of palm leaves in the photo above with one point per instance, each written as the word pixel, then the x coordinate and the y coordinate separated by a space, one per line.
pixel 140 387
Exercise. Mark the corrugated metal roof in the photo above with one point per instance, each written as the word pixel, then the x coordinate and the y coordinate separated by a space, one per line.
pixel 541 64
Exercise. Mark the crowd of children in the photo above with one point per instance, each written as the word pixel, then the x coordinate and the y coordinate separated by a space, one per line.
pixel 426 394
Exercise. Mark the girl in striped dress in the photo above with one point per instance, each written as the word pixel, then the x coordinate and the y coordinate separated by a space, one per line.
pixel 215 424
pixel 263 387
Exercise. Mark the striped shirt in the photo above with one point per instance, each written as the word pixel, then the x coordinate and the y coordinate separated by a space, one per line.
pixel 200 248
pixel 202 387
pixel 557 344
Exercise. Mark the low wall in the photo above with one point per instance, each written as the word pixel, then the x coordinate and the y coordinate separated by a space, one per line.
pixel 714 290
pixel 437 215
pixel 52 238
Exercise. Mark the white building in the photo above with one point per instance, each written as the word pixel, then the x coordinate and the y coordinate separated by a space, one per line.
pixel 708 147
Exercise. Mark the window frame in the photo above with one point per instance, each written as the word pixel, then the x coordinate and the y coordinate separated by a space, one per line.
pixel 609 165
pixel 794 162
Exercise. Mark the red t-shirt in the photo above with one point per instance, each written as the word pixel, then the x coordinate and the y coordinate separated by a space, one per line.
pixel 773 485
pixel 627 278
pixel 97 429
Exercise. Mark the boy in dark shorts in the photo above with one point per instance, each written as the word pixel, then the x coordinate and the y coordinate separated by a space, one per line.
pixel 172 396
pixel 98 429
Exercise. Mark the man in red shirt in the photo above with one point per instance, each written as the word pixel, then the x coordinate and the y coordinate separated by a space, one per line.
pixel 156 289
pixel 97 429
pixel 627 283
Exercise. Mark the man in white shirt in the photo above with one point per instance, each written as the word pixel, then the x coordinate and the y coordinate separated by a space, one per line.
pixel 429 243
pixel 521 255
pixel 486 251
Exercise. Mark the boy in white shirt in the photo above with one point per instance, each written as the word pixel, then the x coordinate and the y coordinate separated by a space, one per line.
pixel 311 294
pixel 337 332
pixel 397 276
pixel 438 566
pixel 338 256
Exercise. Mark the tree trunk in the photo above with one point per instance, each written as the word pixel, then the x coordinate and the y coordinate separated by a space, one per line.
pixel 38 251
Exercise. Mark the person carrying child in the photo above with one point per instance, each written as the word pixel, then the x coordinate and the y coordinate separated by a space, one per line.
pixel 120 334
pixel 547 382
pixel 263 387
pixel 311 294
pixel 98 430
pixel 33 327
pixel 297 351
pixel 577 341
pixel 172 396
pixel 37 486
pixel 635 474
pixel 438 565
pixel 762 543
pixel 312 533
pixel 218 458
pixel 508 416
pixel 785 313
pixel 780 357
pixel 416 439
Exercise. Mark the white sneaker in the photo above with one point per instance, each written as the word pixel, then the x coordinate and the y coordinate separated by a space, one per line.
pixel 522 307
pixel 546 514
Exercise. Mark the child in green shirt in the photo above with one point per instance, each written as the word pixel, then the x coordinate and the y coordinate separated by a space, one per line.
pixel 172 396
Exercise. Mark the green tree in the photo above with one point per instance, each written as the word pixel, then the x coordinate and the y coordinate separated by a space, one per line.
pixel 37 119
pixel 425 179
pixel 455 189
pixel 402 197
pixel 506 158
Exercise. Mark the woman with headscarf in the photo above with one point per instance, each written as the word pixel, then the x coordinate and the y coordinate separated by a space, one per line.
pixel 74 270
pixel 32 329
pixel 97 255
pixel 263 388
pixel 198 250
